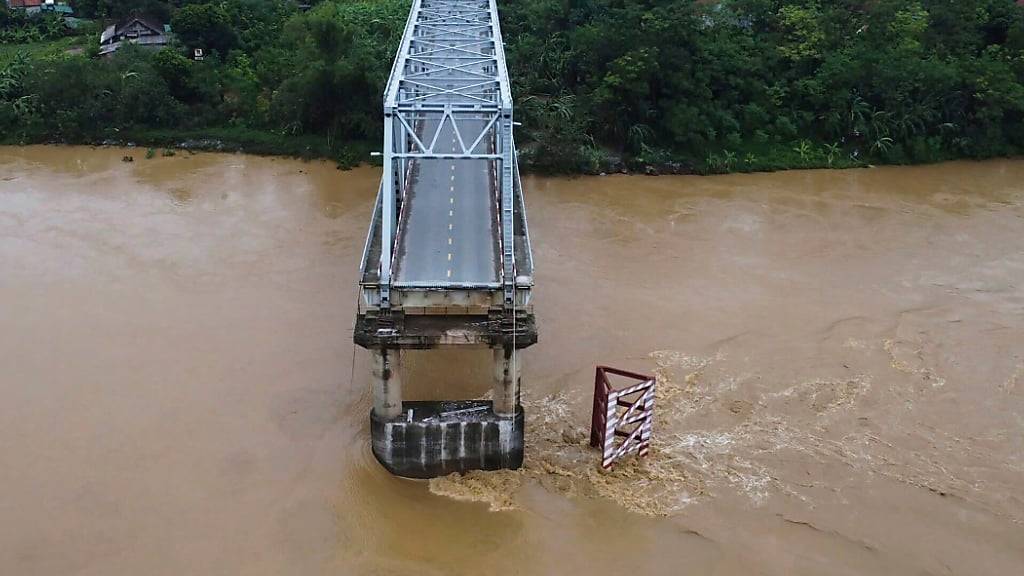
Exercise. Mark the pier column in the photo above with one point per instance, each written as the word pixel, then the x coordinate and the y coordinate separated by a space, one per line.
pixel 507 375
pixel 386 366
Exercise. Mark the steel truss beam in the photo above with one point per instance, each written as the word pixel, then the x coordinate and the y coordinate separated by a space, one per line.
pixel 450 71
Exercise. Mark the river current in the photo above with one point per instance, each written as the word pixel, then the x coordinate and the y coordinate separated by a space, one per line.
pixel 840 357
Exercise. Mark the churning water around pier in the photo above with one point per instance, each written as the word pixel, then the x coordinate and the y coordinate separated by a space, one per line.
pixel 840 355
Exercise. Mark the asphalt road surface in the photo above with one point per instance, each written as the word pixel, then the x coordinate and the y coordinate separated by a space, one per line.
pixel 449 230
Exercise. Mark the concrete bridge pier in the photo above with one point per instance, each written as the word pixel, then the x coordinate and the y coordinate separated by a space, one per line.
pixel 387 382
pixel 424 439
pixel 508 365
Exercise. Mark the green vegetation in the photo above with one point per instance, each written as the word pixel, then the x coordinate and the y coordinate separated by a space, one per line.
pixel 275 80
pixel 16 27
pixel 47 50
pixel 766 84
pixel 601 85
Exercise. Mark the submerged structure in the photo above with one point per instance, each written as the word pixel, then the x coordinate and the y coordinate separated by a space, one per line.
pixel 447 260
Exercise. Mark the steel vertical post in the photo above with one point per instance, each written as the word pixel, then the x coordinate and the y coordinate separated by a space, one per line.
pixel 387 224
pixel 507 209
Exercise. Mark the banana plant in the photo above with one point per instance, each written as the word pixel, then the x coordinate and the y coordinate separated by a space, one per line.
pixel 831 152
pixel 728 158
pixel 804 150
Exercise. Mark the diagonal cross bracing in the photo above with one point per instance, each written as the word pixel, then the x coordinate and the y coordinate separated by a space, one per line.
pixel 449 77
pixel 438 36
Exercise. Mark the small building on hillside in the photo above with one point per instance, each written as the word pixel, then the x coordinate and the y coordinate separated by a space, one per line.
pixel 29 6
pixel 61 8
pixel 138 30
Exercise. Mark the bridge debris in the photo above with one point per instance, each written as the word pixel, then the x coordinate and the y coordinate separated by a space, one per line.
pixel 625 413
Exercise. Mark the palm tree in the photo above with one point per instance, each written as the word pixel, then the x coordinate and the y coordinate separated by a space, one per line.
pixel 24 106
pixel 882 145
pixel 881 122
pixel 859 110
pixel 639 134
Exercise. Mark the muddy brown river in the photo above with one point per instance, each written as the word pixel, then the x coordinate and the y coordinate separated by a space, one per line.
pixel 840 359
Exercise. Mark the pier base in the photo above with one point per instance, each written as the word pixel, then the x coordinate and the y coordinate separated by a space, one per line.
pixel 430 439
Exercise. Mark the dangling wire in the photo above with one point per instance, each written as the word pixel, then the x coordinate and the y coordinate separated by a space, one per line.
pixel 517 392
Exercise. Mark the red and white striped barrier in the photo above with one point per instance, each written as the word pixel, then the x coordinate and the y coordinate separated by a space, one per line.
pixel 622 418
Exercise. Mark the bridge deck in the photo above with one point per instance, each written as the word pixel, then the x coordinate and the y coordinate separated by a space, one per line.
pixel 449 232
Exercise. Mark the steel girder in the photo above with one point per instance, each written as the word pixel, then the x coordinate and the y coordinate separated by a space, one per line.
pixel 449 71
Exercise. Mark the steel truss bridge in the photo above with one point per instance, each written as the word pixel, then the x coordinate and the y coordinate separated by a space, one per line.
pixel 447 260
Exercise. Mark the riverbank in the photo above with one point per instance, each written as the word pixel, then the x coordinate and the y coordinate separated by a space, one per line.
pixel 754 158
pixel 240 140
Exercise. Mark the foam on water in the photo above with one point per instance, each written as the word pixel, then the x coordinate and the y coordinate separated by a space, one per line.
pixel 496 489
pixel 720 434
pixel 560 458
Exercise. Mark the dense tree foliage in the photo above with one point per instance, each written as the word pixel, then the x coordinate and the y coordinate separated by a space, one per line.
pixel 271 73
pixel 204 26
pixel 678 84
pixel 724 85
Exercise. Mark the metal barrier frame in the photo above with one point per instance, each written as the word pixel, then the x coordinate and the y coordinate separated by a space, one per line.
pixel 608 424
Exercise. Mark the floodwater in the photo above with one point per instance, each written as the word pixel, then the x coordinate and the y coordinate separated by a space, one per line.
pixel 840 359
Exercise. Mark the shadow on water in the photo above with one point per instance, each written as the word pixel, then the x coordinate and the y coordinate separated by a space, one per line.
pixel 447 374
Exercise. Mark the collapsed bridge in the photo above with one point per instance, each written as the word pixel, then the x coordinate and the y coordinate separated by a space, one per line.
pixel 447 261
